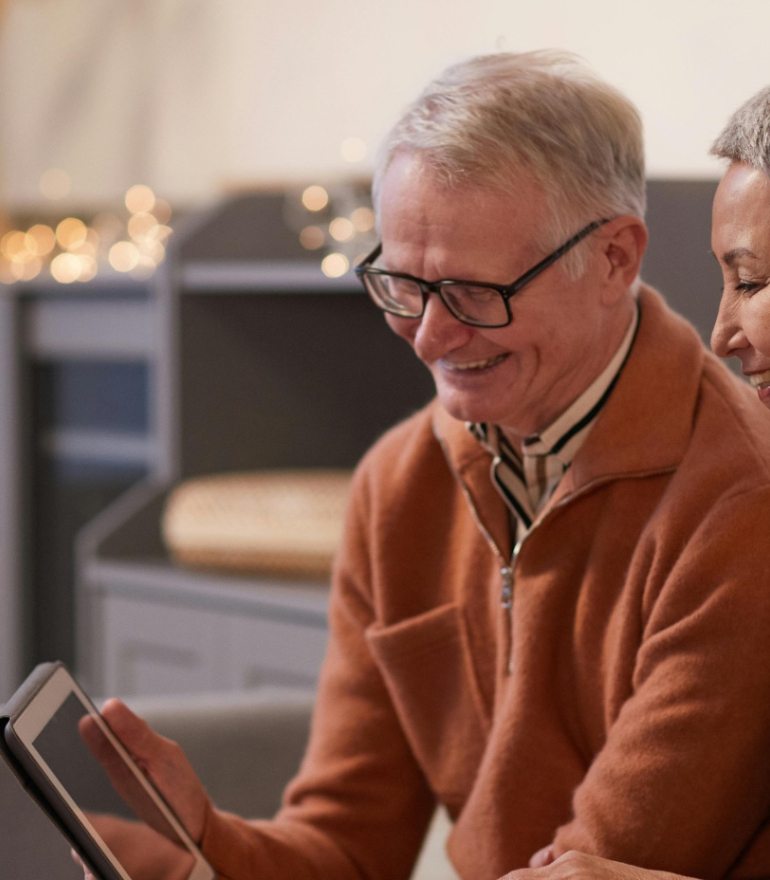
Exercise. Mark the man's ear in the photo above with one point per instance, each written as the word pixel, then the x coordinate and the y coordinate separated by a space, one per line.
pixel 623 246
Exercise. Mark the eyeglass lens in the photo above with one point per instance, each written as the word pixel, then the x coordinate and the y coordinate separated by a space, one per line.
pixel 474 304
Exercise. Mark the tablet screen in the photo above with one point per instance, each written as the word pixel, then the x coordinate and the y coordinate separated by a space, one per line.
pixel 115 808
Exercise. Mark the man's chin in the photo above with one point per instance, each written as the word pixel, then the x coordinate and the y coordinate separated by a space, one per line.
pixel 466 410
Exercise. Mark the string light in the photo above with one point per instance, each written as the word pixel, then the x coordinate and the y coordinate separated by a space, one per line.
pixel 335 265
pixel 124 256
pixel 312 237
pixel 315 198
pixel 363 219
pixel 140 198
pixel 71 233
pixel 6 276
pixel 26 268
pixel 341 229
pixel 13 243
pixel 141 223
pixel 162 211
pixel 44 238
pixel 66 268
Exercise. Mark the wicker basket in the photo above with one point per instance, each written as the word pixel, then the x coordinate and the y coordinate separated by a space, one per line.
pixel 281 522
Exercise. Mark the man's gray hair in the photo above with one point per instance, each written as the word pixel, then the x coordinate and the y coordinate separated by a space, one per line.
pixel 746 137
pixel 492 118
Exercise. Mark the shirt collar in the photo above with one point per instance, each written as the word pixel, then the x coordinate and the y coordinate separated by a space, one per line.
pixel 527 482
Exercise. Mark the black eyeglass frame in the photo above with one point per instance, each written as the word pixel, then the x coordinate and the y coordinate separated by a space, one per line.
pixel 506 291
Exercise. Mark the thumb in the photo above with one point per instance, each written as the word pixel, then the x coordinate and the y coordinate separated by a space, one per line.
pixel 542 857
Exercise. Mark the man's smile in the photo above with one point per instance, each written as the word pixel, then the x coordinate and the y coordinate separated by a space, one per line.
pixel 475 365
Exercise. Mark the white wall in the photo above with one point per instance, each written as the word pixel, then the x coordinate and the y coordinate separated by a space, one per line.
pixel 193 95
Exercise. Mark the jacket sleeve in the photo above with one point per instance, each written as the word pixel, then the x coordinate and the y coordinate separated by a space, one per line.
pixel 360 806
pixel 683 780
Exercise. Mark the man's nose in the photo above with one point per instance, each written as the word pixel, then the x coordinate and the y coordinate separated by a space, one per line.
pixel 439 330
pixel 728 336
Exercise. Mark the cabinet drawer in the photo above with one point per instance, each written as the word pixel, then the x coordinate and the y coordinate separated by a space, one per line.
pixel 157 648
pixel 276 652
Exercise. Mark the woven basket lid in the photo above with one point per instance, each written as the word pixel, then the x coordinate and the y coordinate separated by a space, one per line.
pixel 286 522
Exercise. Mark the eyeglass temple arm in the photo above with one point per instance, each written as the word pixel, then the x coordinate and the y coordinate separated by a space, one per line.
pixel 552 258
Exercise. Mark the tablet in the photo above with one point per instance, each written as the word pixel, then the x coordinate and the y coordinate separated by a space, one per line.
pixel 118 823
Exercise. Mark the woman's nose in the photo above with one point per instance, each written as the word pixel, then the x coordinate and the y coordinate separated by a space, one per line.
pixel 728 336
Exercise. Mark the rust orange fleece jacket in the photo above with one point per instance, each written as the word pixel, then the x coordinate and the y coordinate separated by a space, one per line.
pixel 622 707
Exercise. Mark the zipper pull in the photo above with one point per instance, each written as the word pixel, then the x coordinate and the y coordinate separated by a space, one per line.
pixel 507 572
pixel 506 599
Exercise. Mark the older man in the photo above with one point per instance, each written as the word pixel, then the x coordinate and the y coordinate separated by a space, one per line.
pixel 552 581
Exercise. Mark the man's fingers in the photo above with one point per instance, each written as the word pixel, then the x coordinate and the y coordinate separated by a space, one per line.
pixel 163 761
pixel 134 732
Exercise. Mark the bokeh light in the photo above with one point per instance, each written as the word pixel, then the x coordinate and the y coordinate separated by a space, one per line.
pixel 26 269
pixel 353 149
pixel 88 267
pixel 13 243
pixel 335 265
pixel 341 229
pixel 315 198
pixel 55 184
pixel 44 238
pixel 124 256
pixel 363 219
pixel 141 223
pixel 312 237
pixel 153 249
pixel 109 227
pixel 66 268
pixel 6 276
pixel 140 198
pixel 162 211
pixel 71 233
pixel 159 233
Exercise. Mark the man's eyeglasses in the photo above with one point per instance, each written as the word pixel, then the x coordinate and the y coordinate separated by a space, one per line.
pixel 471 302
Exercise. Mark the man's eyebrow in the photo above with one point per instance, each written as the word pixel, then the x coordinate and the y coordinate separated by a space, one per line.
pixel 732 255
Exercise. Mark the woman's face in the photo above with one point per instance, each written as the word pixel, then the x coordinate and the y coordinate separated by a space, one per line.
pixel 740 239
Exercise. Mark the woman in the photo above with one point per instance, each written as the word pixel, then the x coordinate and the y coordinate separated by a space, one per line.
pixel 740 240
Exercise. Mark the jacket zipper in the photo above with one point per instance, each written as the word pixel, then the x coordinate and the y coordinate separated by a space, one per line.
pixel 508 569
pixel 507 573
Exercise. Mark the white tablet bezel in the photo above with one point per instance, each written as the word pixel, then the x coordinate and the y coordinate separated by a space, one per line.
pixel 31 722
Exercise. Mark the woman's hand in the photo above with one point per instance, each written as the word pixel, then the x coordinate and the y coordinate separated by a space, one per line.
pixel 579 866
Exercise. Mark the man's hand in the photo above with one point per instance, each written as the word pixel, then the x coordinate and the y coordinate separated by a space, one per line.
pixel 579 866
pixel 143 853
pixel 160 759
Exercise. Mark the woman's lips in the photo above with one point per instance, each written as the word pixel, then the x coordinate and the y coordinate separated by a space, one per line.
pixel 469 366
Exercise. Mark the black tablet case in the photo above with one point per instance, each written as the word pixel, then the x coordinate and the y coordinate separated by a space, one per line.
pixel 59 813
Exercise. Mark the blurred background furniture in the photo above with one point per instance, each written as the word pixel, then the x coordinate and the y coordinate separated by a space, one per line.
pixel 241 355
pixel 264 362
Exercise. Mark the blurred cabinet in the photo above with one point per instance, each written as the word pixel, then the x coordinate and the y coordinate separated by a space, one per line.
pixel 76 391
pixel 263 362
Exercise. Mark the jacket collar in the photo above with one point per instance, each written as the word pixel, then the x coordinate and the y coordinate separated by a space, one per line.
pixel 644 428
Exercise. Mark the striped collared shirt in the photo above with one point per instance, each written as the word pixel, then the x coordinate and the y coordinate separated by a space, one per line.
pixel 527 481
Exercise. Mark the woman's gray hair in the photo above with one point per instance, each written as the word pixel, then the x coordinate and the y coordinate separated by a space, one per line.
pixel 746 137
pixel 492 118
